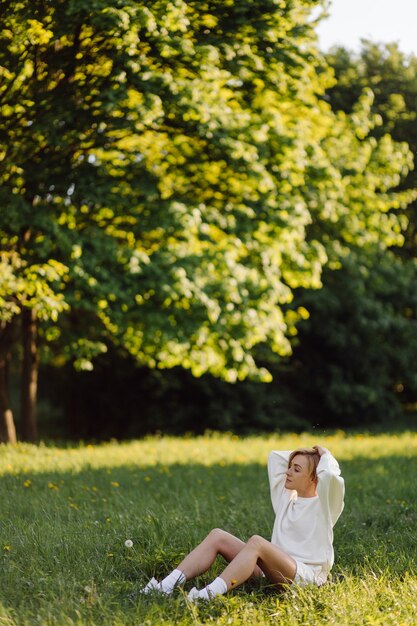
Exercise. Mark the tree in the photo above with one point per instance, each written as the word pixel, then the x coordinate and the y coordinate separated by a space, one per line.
pixel 30 291
pixel 169 164
pixel 58 88
pixel 359 366
pixel 392 77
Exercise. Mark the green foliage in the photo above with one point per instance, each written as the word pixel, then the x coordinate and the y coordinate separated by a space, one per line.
pixel 359 366
pixel 186 184
pixel 68 511
pixel 392 77
pixel 181 165
pixel 33 286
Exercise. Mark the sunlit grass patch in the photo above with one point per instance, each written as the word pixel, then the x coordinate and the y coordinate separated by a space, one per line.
pixel 66 513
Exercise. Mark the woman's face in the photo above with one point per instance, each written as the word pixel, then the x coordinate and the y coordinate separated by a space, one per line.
pixel 299 477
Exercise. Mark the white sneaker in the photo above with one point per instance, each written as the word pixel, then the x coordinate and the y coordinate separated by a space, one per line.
pixel 194 595
pixel 153 585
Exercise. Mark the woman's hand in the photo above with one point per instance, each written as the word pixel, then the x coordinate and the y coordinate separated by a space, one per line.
pixel 320 450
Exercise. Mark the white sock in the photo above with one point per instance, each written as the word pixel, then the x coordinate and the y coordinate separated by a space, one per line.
pixel 175 578
pixel 216 588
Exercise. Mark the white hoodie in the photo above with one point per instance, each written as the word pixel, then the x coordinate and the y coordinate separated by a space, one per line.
pixel 303 527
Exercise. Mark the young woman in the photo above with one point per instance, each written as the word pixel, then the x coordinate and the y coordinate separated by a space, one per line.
pixel 307 493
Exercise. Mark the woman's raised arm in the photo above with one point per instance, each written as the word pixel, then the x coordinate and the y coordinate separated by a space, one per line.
pixel 330 486
pixel 277 468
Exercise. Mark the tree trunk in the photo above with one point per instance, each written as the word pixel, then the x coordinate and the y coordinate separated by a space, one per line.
pixel 29 376
pixel 7 427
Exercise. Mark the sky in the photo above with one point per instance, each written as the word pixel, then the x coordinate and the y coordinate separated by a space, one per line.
pixel 382 21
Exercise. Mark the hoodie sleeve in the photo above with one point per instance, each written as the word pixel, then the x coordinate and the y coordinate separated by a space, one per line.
pixel 277 467
pixel 331 487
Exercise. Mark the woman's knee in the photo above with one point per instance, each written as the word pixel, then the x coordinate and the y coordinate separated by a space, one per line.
pixel 217 535
pixel 256 541
pixel 226 544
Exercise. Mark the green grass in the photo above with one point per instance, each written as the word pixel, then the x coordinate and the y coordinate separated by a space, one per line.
pixel 66 513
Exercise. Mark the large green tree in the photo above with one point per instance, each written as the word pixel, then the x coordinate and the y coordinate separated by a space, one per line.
pixel 392 76
pixel 354 364
pixel 172 173
pixel 360 365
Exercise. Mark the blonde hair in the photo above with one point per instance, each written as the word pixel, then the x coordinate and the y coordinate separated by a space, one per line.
pixel 312 457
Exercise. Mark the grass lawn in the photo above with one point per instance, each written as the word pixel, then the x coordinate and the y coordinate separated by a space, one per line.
pixel 66 512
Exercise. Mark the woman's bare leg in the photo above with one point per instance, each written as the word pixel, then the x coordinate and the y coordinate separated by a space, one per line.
pixel 203 556
pixel 278 566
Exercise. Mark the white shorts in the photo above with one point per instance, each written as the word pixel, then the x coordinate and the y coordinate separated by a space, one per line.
pixel 309 574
